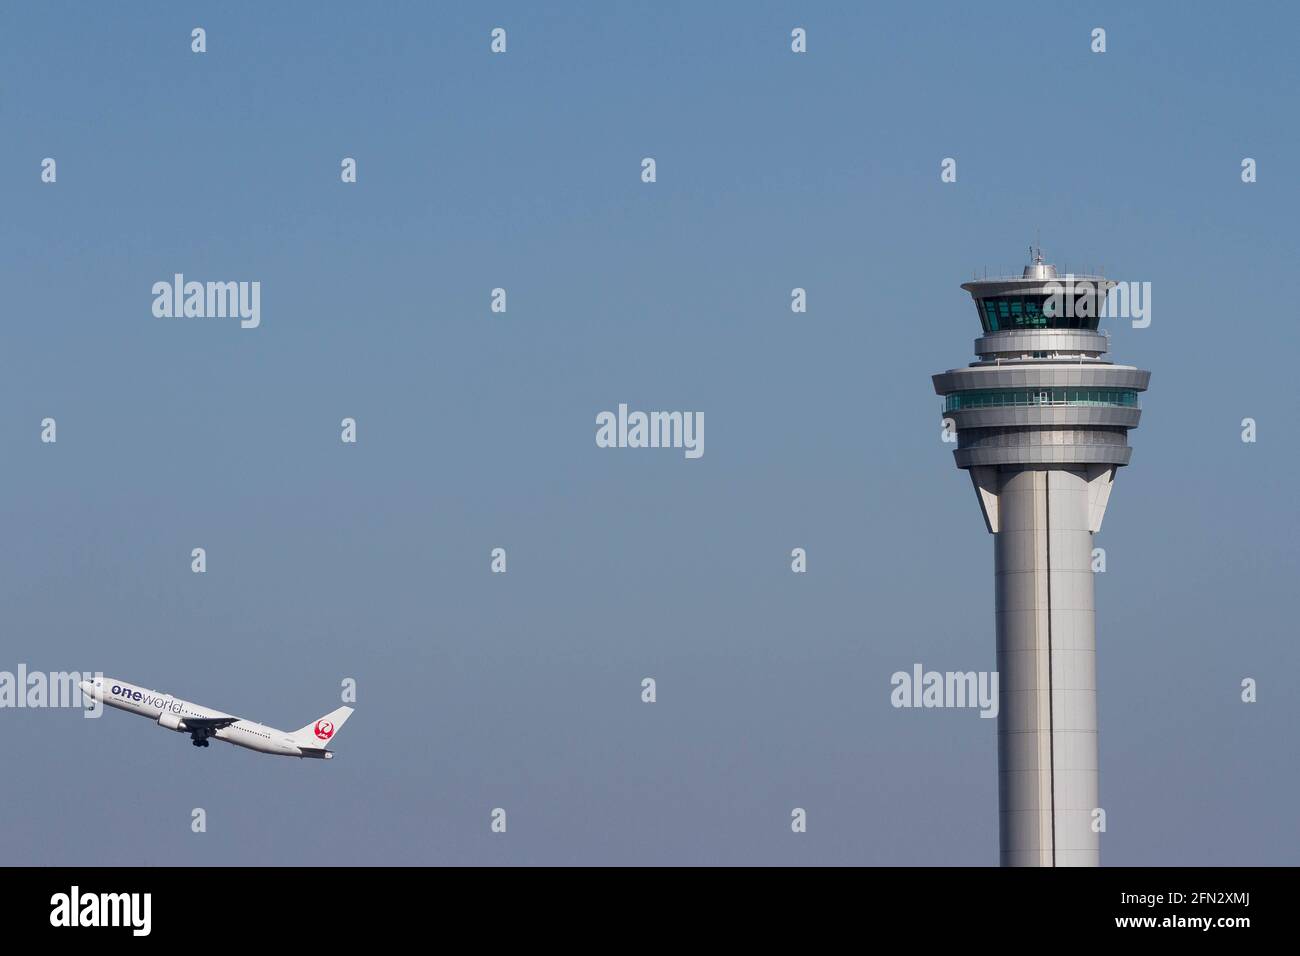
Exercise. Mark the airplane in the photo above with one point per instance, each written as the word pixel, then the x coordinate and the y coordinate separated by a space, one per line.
pixel 202 723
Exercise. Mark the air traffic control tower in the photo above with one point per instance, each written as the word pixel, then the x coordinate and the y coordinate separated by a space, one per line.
pixel 1042 422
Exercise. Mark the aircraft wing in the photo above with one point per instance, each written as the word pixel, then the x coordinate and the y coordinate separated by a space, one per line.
pixel 200 727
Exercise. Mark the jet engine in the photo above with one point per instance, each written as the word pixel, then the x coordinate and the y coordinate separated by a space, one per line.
pixel 171 721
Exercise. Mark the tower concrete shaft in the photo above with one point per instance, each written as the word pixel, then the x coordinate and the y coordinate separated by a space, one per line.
pixel 1041 422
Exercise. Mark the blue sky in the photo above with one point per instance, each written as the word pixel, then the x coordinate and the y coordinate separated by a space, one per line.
pixel 476 430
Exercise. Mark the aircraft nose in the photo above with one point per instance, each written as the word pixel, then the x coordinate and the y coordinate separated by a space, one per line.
pixel 87 688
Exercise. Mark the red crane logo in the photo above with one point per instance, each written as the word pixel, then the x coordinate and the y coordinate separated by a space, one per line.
pixel 324 729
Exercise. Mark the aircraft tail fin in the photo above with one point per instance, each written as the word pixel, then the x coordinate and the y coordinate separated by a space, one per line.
pixel 319 733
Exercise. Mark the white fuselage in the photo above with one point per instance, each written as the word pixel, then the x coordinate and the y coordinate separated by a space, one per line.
pixel 171 713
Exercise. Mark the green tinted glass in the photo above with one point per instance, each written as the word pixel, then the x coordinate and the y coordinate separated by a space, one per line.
pixel 1008 312
pixel 1124 398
